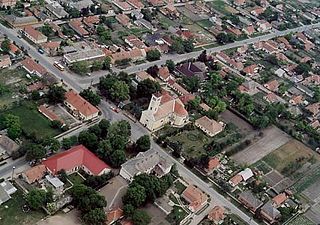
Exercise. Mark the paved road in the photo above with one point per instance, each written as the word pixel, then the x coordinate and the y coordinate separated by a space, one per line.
pixel 178 58
pixel 137 129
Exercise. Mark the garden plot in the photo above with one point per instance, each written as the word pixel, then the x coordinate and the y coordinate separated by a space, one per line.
pixel 272 139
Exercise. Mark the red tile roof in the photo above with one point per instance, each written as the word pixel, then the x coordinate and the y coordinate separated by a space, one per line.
pixel 32 66
pixel 82 105
pixel 75 157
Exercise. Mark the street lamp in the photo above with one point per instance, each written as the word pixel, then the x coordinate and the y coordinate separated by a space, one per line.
pixel 12 172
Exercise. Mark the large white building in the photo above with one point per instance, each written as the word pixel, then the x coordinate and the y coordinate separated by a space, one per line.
pixel 145 162
pixel 164 109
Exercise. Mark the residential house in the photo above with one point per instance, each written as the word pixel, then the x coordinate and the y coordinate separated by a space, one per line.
pixel 136 4
pixel 145 162
pixel 269 213
pixel 164 109
pixel 257 11
pixel 80 107
pixel 244 175
pixel 250 87
pixel 51 47
pixel 264 26
pixel 56 9
pixel 296 100
pixel 280 72
pixel 79 5
pixel 178 88
pixel 8 145
pixel 164 74
pixel 250 201
pixel 124 20
pixel 251 70
pixel 56 185
pixel 34 174
pixel 314 109
pixel 8 3
pixel 133 54
pixel 213 164
pixel 5 61
pixel 33 68
pixel 78 27
pixel 77 157
pixel 134 42
pixel 217 215
pixel 190 69
pixel 6 190
pixel 144 23
pixel 143 75
pixel 52 116
pixel 124 6
pixel 195 197
pixel 249 30
pixel 209 126
pixel 33 35
pixel 17 22
pixel 239 2
pixel 279 199
pixel 271 98
pixel 272 85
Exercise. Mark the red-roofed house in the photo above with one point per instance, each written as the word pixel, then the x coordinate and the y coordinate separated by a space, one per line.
pixel 78 157
pixel 209 126
pixel 34 35
pixel 5 61
pixel 251 70
pixel 279 199
pixel 213 164
pixel 114 215
pixel 80 107
pixel 217 215
pixel 272 85
pixel 195 197
pixel 33 68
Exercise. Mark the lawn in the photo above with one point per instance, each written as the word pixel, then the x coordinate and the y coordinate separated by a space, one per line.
pixel 11 212
pixel 205 23
pixel 192 142
pixel 177 215
pixel 32 122
pixel 179 186
pixel 220 6
pixel 75 178
pixel 290 157
pixel 301 220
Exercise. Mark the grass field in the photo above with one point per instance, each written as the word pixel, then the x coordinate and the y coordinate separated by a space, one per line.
pixel 75 178
pixel 176 216
pixel 11 212
pixel 290 157
pixel 32 122
pixel 192 142
pixel 220 6
pixel 301 220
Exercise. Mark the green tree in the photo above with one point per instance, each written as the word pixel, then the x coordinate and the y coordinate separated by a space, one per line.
pixel 136 196
pixel 224 38
pixel 104 126
pixel 128 210
pixel 56 94
pixel 171 65
pixel 69 142
pixel 143 143
pixel 90 96
pixel 177 46
pixel 106 63
pixel 96 65
pixel 81 68
pixel 153 55
pixel 13 125
pixel 119 91
pixel 303 68
pixel 37 198
pixel 188 45
pixel 46 30
pixel 141 217
pixel 117 158
pixel 147 87
pixel 96 216
pixel 192 83
pixel 122 128
pixel 90 140
pixel 35 152
pixel 5 45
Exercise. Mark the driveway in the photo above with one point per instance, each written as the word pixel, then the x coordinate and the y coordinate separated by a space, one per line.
pixel 71 218
pixel 114 191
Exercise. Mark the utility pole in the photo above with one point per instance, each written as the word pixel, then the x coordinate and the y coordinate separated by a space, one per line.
pixel 12 172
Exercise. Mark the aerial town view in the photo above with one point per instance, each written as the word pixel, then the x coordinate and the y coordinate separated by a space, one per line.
pixel 160 112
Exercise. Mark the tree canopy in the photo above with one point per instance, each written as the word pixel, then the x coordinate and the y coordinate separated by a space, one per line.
pixel 90 96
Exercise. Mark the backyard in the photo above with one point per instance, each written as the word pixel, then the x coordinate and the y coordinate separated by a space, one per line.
pixel 32 122
pixel 11 212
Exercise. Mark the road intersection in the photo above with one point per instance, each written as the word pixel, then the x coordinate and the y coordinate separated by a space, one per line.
pixel 138 130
